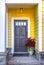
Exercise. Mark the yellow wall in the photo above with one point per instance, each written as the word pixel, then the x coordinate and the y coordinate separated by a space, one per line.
pixel 42 25
pixel 36 26
pixel 16 13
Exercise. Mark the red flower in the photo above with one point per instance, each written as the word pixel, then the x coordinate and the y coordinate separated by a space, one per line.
pixel 30 42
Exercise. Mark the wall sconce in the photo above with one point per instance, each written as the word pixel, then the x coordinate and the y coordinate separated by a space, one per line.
pixel 21 9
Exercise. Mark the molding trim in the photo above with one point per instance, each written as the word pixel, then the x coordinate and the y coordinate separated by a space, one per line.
pixel 40 26
pixel 2 26
pixel 6 29
pixel 21 1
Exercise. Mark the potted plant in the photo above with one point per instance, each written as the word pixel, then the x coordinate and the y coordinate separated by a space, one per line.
pixel 30 45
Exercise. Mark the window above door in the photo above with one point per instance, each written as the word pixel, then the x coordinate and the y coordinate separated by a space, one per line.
pixel 18 23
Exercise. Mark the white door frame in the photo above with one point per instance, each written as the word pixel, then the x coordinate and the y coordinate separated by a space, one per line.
pixel 18 18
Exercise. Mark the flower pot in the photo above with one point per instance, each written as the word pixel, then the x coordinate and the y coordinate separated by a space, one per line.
pixel 31 52
pixel 27 49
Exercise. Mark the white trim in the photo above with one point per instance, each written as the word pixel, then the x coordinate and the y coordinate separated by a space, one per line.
pixel 12 50
pixel 40 26
pixel 18 18
pixel 2 25
pixel 6 29
pixel 21 1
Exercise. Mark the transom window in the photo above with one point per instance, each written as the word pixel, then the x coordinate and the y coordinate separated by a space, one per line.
pixel 20 23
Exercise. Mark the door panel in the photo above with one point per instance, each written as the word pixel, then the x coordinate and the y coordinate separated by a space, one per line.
pixel 20 35
pixel 23 31
pixel 17 31
pixel 23 41
pixel 17 40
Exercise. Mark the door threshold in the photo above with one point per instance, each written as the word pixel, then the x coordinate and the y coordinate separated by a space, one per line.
pixel 21 54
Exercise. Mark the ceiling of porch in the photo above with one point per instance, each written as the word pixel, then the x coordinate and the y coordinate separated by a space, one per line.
pixel 20 6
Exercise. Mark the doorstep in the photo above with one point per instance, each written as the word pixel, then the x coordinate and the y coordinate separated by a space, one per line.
pixel 23 60
pixel 21 54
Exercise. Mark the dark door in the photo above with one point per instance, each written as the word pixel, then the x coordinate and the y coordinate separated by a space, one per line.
pixel 20 35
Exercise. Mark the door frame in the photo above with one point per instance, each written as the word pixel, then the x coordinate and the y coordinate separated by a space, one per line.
pixel 19 18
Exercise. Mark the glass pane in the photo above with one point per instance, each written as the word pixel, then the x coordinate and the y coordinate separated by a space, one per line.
pixel 21 23
pixel 24 23
pixel 16 23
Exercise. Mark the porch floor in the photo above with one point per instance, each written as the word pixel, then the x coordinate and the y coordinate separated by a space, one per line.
pixel 24 60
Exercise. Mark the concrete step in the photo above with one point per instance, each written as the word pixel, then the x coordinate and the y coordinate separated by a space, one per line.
pixel 24 64
pixel 24 60
pixel 21 54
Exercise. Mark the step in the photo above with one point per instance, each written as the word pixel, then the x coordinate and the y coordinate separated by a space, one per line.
pixel 24 64
pixel 23 60
pixel 21 54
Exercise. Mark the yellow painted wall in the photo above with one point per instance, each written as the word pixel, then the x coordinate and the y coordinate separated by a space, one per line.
pixel 42 25
pixel 36 26
pixel 17 13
